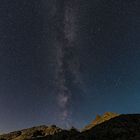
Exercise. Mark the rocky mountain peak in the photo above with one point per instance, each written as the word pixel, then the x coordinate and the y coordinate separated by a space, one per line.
pixel 100 119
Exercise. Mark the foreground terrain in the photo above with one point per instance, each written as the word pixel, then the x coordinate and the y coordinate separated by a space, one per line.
pixel 109 126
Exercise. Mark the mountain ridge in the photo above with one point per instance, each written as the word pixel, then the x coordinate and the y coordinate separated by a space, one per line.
pixel 109 126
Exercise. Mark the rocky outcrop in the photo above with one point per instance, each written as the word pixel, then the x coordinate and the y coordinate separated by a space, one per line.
pixel 100 119
pixel 31 133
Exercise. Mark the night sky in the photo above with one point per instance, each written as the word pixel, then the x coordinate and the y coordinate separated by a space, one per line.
pixel 64 61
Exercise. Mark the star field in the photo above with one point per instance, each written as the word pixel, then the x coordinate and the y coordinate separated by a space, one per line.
pixel 62 62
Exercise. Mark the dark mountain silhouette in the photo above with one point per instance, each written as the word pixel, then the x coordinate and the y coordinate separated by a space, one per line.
pixel 110 126
pixel 122 127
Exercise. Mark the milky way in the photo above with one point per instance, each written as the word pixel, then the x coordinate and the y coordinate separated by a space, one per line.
pixel 68 65
pixel 67 72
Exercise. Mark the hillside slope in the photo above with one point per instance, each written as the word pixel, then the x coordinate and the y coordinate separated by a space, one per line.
pixel 121 127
